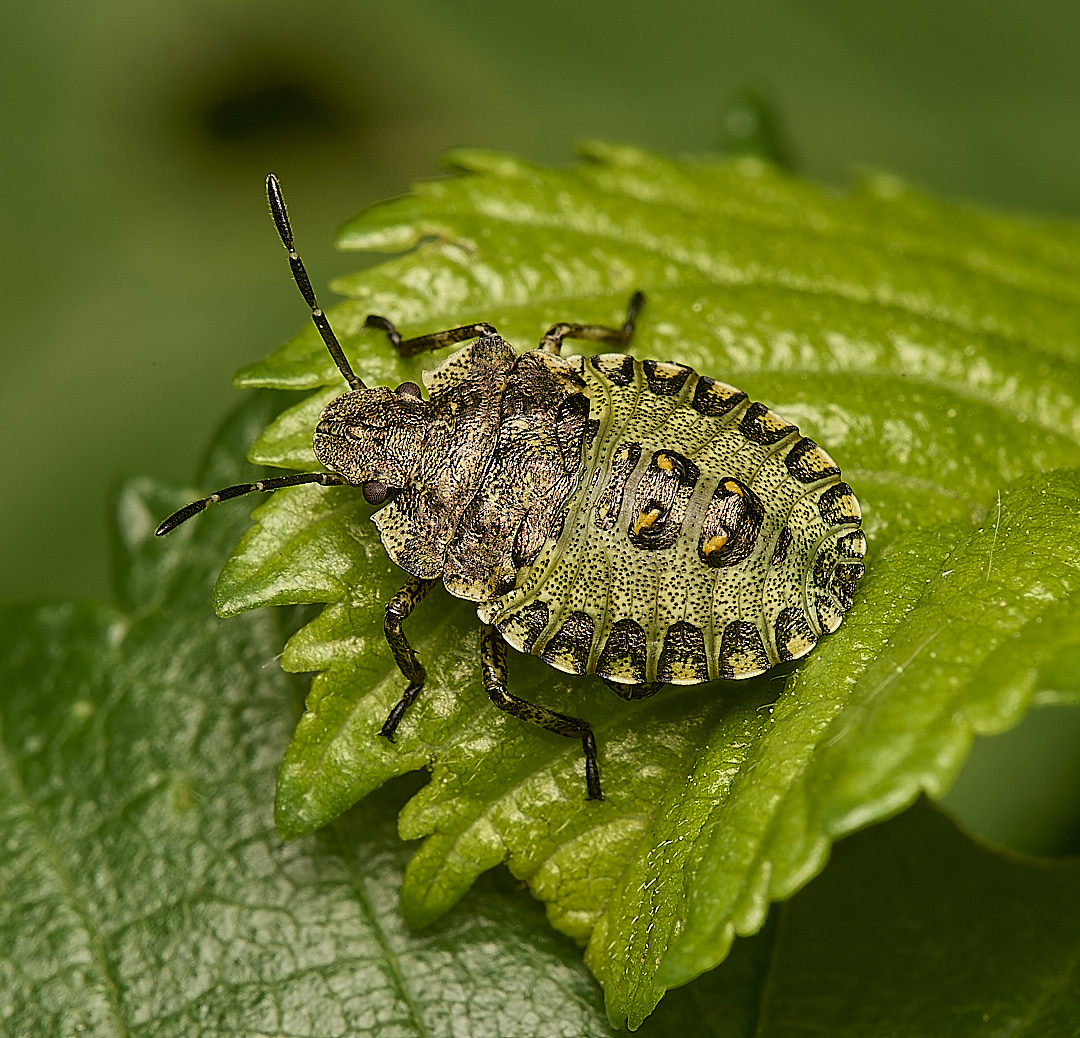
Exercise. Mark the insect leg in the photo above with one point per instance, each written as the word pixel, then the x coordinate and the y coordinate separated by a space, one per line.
pixel 182 515
pixel 397 610
pixel 627 691
pixel 431 341
pixel 553 337
pixel 493 664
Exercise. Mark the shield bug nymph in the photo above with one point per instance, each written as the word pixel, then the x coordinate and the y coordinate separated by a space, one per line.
pixel 624 518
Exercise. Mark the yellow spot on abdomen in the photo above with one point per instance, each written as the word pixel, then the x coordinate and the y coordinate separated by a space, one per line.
pixel 646 519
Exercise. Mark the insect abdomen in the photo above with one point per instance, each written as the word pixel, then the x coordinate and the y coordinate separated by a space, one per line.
pixel 707 539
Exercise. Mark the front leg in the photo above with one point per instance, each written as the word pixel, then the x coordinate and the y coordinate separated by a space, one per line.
pixel 493 664
pixel 397 611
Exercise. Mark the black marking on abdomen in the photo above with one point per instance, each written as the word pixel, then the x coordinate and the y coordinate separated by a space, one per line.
pixel 760 425
pixel 852 545
pixel 845 577
pixel 682 658
pixel 808 463
pixel 525 625
pixel 823 566
pixel 665 378
pixel 742 652
pixel 732 525
pixel 625 653
pixel 617 368
pixel 794 635
pixel 783 546
pixel 568 648
pixel 661 500
pixel 623 462
pixel 714 399
pixel 838 506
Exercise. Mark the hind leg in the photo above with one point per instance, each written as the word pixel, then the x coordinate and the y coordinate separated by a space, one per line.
pixel 493 663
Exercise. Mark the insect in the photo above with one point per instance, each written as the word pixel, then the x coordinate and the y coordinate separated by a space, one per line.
pixel 630 519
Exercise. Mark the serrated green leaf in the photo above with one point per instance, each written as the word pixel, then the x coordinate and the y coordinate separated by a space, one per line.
pixel 949 639
pixel 146 893
pixel 933 350
pixel 145 889
pixel 913 930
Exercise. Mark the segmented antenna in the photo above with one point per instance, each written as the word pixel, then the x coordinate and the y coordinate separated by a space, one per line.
pixel 182 515
pixel 300 276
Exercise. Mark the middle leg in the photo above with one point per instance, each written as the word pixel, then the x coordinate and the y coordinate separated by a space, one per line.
pixel 553 337
pixel 397 611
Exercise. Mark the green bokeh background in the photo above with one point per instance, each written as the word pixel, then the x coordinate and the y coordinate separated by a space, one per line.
pixel 140 268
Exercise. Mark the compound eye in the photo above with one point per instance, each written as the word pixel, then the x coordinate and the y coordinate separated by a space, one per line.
pixel 408 389
pixel 374 491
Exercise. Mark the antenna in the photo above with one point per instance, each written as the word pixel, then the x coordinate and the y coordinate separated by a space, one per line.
pixel 303 282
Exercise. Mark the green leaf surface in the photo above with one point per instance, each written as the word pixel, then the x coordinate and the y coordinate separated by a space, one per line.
pixel 147 894
pixel 912 931
pixel 932 349
pixel 146 891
